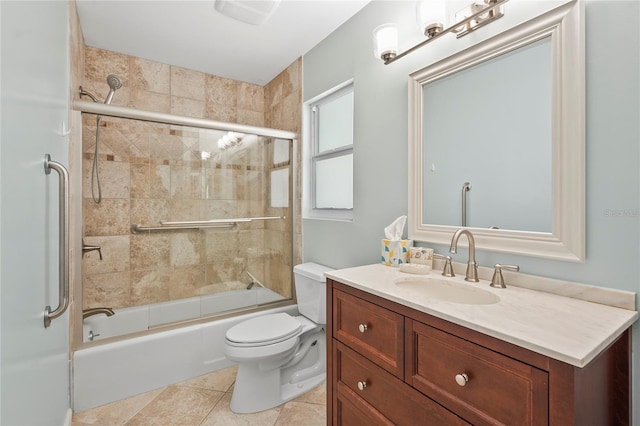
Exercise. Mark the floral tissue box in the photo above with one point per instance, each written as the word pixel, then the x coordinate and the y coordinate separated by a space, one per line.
pixel 395 252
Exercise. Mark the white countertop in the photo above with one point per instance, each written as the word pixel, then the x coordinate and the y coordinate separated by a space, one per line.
pixel 566 329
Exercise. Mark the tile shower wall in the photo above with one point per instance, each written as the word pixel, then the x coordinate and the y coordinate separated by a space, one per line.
pixel 152 172
pixel 283 110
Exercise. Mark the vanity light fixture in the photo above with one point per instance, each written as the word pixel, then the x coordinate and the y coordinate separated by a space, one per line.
pixel 431 16
pixel 430 13
pixel 385 42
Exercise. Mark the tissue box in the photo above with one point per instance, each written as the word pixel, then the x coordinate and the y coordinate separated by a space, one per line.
pixel 395 252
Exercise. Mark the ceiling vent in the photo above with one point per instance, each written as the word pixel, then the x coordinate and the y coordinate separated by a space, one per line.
pixel 254 12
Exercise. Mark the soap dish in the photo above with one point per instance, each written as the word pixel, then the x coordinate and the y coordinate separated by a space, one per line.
pixel 415 268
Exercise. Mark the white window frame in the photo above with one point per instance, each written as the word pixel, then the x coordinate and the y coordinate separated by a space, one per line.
pixel 312 155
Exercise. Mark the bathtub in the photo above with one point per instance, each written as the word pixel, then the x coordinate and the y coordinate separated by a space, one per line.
pixel 113 371
pixel 141 318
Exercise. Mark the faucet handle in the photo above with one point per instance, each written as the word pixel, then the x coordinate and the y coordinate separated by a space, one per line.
pixel 497 280
pixel 87 248
pixel 447 270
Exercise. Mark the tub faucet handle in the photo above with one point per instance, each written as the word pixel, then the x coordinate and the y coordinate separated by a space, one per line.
pixel 87 248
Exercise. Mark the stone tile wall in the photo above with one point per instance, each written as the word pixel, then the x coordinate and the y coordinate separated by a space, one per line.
pixel 283 110
pixel 153 172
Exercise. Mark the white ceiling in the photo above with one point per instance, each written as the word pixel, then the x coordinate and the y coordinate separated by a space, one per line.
pixel 193 35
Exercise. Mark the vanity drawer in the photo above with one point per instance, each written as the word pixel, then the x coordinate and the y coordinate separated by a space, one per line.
pixel 498 390
pixel 371 330
pixel 366 386
pixel 353 411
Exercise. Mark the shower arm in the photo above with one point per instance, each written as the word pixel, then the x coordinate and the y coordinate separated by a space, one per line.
pixel 85 93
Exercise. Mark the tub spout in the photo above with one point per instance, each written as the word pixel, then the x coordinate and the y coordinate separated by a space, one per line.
pixel 95 311
pixel 87 248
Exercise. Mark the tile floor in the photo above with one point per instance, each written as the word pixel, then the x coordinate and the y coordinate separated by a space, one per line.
pixel 203 401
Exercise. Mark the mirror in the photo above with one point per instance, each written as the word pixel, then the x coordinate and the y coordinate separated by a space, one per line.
pixel 501 155
pixel 496 141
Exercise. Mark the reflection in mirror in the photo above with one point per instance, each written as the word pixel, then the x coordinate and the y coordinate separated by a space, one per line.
pixel 498 140
pixel 506 116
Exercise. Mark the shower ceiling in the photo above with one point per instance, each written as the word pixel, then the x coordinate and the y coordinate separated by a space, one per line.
pixel 193 35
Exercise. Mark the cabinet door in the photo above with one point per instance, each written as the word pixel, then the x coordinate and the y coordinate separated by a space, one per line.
pixel 480 385
pixel 368 386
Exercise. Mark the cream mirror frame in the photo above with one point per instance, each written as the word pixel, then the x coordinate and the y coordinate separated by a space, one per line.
pixel 565 26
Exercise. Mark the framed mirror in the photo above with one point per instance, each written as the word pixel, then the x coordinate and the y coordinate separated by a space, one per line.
pixel 496 141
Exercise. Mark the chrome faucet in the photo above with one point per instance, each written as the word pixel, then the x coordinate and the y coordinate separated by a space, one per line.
pixel 95 311
pixel 472 266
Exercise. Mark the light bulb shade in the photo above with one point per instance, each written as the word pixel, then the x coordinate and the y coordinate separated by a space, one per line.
pixel 385 41
pixel 431 15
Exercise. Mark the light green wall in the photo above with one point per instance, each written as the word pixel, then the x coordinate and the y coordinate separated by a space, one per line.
pixel 380 146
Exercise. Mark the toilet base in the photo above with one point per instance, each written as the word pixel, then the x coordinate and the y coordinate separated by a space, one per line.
pixel 257 389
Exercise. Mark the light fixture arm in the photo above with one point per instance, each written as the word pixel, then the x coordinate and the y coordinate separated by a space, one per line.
pixel 477 17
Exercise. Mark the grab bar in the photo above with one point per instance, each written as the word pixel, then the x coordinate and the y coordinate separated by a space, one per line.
pixel 213 221
pixel 137 228
pixel 197 224
pixel 63 241
pixel 465 188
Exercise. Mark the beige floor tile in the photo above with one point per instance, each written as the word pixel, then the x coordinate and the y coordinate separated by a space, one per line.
pixel 222 415
pixel 202 402
pixel 116 413
pixel 178 405
pixel 218 380
pixel 300 413
pixel 317 395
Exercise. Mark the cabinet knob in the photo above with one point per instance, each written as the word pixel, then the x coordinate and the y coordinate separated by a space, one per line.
pixel 362 328
pixel 462 379
pixel 362 385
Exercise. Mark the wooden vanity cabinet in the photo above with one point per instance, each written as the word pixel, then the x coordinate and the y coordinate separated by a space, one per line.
pixel 390 364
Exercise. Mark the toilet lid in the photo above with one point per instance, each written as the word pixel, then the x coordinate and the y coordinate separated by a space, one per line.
pixel 265 328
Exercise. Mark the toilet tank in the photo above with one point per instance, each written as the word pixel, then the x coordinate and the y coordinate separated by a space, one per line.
pixel 311 290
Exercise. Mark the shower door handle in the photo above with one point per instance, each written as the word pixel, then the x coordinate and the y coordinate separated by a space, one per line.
pixel 63 241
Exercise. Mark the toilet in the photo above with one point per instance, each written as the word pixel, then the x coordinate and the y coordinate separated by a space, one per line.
pixel 281 356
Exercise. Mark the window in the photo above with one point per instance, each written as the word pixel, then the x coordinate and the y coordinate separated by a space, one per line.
pixel 330 158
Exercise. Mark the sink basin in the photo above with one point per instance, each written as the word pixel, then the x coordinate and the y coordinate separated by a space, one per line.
pixel 448 290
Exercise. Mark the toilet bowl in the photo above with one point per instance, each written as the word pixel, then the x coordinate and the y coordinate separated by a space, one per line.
pixel 281 356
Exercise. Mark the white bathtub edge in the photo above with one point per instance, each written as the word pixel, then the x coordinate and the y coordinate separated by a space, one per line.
pixel 108 373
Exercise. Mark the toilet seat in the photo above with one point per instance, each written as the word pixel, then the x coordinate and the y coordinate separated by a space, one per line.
pixel 264 330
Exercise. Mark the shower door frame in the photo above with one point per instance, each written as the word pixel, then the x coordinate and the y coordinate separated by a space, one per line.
pixel 172 119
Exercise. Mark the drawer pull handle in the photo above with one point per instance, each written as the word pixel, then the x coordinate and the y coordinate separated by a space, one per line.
pixel 462 379
pixel 362 328
pixel 362 385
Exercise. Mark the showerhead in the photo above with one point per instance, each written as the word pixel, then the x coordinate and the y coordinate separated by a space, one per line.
pixel 114 84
